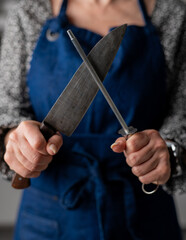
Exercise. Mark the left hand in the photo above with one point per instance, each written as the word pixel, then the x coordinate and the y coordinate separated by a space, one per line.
pixel 147 154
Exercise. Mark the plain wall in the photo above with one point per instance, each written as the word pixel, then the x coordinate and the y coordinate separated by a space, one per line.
pixel 9 200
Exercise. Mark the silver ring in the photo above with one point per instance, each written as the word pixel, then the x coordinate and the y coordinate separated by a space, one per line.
pixel 52 36
pixel 151 192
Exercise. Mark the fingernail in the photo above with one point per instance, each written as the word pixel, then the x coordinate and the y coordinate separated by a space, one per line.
pixel 53 148
pixel 114 144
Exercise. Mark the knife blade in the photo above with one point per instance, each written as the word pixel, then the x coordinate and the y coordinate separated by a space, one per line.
pixel 125 131
pixel 74 101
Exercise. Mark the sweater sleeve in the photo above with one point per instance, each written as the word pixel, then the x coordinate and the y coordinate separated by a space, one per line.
pixel 174 127
pixel 14 102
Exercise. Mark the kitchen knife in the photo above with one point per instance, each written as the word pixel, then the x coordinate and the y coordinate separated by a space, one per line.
pixel 74 101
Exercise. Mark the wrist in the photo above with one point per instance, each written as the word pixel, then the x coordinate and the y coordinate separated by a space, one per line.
pixel 175 156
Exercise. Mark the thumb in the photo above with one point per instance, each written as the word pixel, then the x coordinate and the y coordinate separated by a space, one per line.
pixel 54 144
pixel 119 145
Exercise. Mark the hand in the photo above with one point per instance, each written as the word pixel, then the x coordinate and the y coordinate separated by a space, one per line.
pixel 147 154
pixel 27 152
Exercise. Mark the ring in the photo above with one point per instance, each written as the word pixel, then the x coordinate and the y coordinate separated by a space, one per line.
pixel 151 192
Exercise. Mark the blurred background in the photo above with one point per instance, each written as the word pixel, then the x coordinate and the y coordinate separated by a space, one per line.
pixel 9 198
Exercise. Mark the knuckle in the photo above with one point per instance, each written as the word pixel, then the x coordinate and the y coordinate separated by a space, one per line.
pixel 131 145
pixel 136 171
pixel 154 132
pixel 132 160
pixel 32 167
pixel 142 179
pixel 145 179
pixel 7 158
pixel 36 158
pixel 37 143
pixel 160 144
pixel 8 147
pixel 128 162
pixel 139 136
pixel 134 142
pixel 13 136
pixel 23 125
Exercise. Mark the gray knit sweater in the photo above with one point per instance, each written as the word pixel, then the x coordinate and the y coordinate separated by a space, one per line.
pixel 23 27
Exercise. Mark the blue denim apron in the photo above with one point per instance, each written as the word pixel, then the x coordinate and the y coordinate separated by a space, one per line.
pixel 88 192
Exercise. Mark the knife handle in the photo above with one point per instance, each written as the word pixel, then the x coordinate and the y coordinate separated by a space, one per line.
pixel 47 130
pixel 19 182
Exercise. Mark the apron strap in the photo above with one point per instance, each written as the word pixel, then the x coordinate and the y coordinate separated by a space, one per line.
pixel 63 9
pixel 144 12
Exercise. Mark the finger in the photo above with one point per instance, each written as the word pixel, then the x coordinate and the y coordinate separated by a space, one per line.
pixel 145 167
pixel 32 167
pixel 136 142
pixel 16 166
pixel 54 144
pixel 159 174
pixel 119 145
pixel 36 162
pixel 141 156
pixel 34 136
pixel 30 154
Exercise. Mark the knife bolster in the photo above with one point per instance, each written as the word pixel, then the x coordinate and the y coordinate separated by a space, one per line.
pixel 47 130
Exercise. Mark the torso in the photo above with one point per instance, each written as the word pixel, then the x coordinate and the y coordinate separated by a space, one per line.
pixel 128 64
pixel 100 17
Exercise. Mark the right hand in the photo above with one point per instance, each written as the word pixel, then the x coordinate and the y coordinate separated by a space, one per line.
pixel 27 152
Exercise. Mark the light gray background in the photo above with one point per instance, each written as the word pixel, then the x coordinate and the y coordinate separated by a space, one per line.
pixel 9 199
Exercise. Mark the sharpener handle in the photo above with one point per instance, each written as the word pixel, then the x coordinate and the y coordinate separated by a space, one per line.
pixel 133 130
pixel 19 182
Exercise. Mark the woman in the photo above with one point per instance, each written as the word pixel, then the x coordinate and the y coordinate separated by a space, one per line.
pixel 84 190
